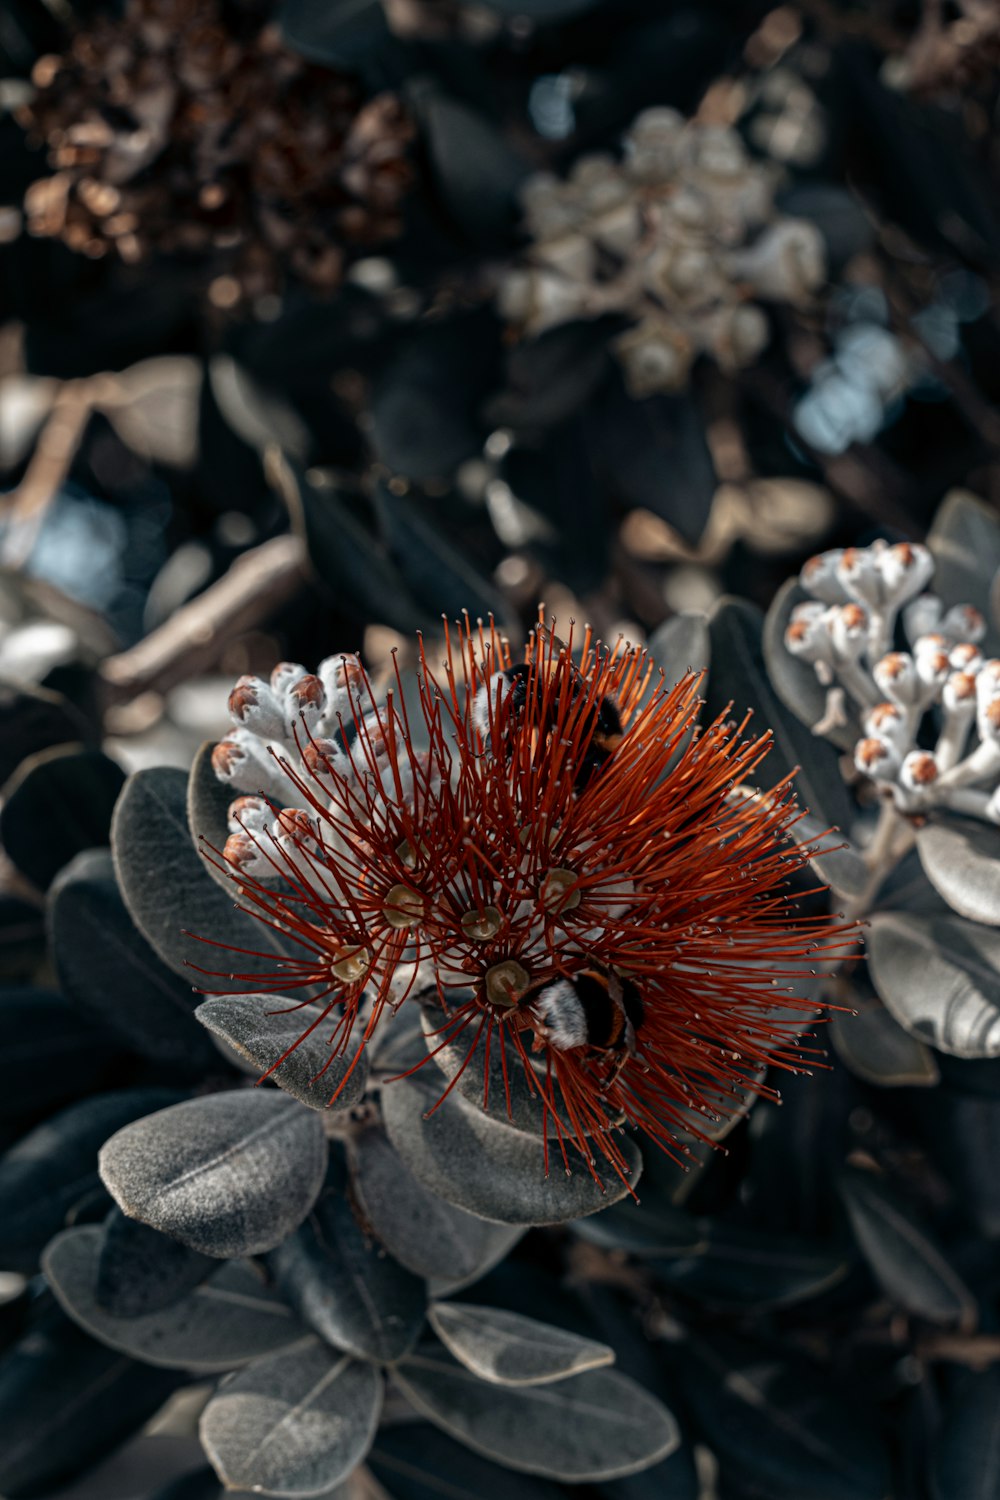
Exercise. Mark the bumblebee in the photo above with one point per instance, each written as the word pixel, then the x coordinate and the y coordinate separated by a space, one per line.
pixel 504 701
pixel 596 1009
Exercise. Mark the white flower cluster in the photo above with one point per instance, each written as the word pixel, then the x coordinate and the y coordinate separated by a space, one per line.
pixel 289 740
pixel 939 690
pixel 680 235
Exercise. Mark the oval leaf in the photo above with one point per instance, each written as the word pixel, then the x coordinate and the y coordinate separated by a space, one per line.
pixel 508 1349
pixel 229 1321
pixel 415 1461
pixel 108 969
pixel 208 802
pixel 58 803
pixel 487 1168
pixel 140 1270
pixel 733 1267
pixel 940 977
pixel 965 541
pixel 261 1029
pixel 909 1267
pixel 295 1424
pixel 877 1049
pixel 350 1292
pixel 590 1427
pixel 426 1235
pixel 163 882
pixel 962 862
pixel 229 1174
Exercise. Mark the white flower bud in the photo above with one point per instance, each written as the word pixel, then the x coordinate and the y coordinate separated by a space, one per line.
pixel 905 568
pixel 250 815
pixel 877 758
pixel 787 263
pixel 807 635
pixel 651 145
pixel 965 657
pixel 305 702
pixel 896 676
pixel 571 255
pixel 253 706
pixel 958 696
pixel 988 721
pixel 921 616
pixel 737 335
pixel 860 574
pixel 919 773
pixel 963 622
pixel 847 625
pixel 988 680
pixel 933 668
pixel 820 577
pixel 887 721
pixel 931 645
pixel 244 761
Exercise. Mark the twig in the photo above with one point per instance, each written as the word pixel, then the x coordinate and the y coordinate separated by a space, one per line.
pixel 24 508
pixel 193 639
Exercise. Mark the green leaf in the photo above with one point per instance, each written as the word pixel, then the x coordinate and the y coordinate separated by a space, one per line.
pixel 487 1168
pixel 260 1028
pixel 911 1269
pixel 348 1290
pixel 940 978
pixel 293 1425
pixel 109 970
pixel 227 1174
pixel 58 802
pixel 590 1427
pixel 428 1236
pixel 962 862
pixel 877 1049
pixel 965 541
pixel 230 1320
pixel 169 897
pixel 508 1349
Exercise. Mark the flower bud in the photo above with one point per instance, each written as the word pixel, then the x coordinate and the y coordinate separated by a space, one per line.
pixel 859 573
pixel 820 577
pixel 283 675
pixel 877 758
pixel 896 676
pixel 959 694
pixel 787 263
pixel 253 706
pixel 919 772
pixel 988 680
pixel 965 657
pixel 244 761
pixel 905 568
pixel 304 706
pixel 933 668
pixel 847 625
pixel 807 635
pixel 887 721
pixel 249 815
pixel 921 616
pixel 963 622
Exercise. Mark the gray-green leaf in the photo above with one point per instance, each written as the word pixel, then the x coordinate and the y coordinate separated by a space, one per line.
pixel 233 1318
pixel 229 1174
pixel 508 1349
pixel 940 977
pixel 293 1425
pixel 261 1028
pixel 594 1426
pixel 489 1169
pixel 962 862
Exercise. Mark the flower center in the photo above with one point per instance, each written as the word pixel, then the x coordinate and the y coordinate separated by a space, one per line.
pixel 505 983
pixel 560 891
pixel 403 907
pixel 352 965
pixel 482 925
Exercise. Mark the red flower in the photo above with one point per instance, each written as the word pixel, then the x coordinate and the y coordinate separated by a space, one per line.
pixel 583 877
